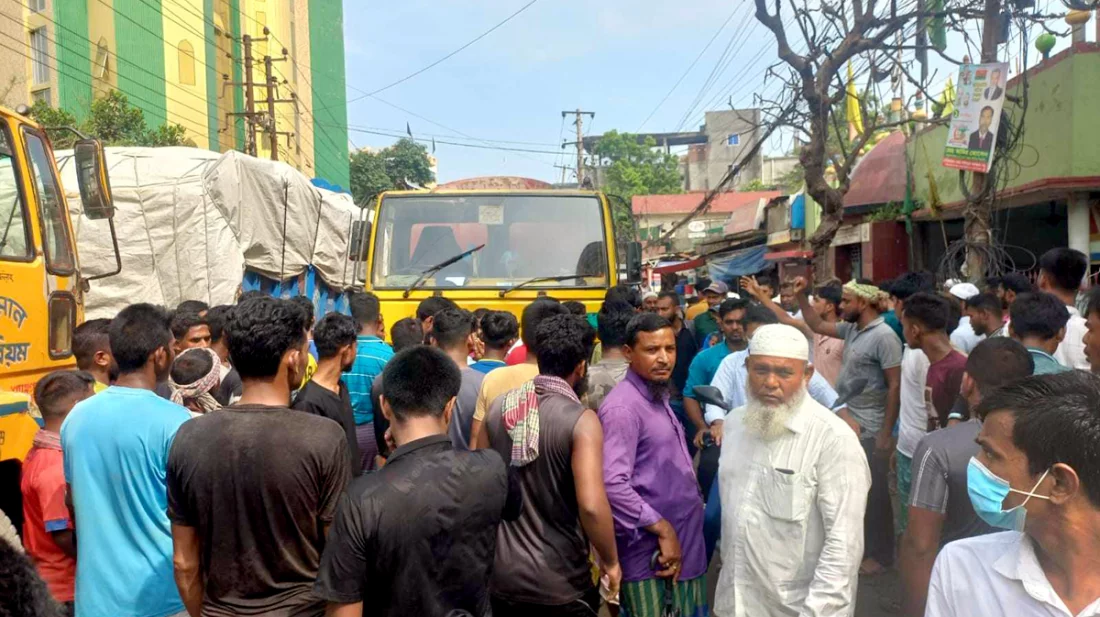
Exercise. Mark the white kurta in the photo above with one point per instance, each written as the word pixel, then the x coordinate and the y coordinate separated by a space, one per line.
pixel 792 517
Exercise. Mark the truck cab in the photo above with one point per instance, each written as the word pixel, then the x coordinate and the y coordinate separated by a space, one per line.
pixel 41 289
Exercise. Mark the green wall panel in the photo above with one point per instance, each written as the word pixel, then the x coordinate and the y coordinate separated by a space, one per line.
pixel 139 34
pixel 330 109
pixel 72 50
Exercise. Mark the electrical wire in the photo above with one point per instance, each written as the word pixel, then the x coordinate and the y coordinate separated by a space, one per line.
pixel 452 143
pixel 446 57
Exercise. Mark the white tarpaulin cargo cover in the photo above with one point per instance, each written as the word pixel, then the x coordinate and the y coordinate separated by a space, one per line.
pixel 190 221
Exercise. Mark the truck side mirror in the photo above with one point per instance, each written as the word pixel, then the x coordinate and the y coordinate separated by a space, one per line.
pixel 634 263
pixel 91 176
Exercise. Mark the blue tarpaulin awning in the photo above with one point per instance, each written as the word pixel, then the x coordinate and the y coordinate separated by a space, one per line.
pixel 729 266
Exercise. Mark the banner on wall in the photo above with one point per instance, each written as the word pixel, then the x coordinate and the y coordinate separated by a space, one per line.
pixel 972 135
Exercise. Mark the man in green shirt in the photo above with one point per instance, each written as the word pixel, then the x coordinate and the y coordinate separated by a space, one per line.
pixel 707 323
pixel 1038 320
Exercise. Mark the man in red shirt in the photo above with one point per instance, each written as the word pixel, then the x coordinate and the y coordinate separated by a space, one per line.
pixel 926 320
pixel 47 524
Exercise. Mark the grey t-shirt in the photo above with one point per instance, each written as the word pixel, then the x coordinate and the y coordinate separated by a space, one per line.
pixel 939 480
pixel 463 414
pixel 603 376
pixel 867 355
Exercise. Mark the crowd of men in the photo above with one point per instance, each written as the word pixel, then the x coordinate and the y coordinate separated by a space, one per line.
pixel 254 460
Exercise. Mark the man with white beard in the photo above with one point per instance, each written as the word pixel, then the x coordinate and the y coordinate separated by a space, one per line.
pixel 793 480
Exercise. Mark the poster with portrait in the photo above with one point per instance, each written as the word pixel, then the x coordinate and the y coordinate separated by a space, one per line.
pixel 972 134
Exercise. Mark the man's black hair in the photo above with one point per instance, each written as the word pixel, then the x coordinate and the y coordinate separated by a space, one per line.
pixel 671 295
pixel 987 301
pixel 989 107
pixel 702 283
pixel 612 324
pixel 261 331
pixel 1064 267
pixel 406 333
pixel 499 329
pixel 564 341
pixel 191 366
pixel 730 305
pixel 575 307
pixel 757 313
pixel 1093 302
pixel 624 293
pixel 216 319
pixel 192 306
pixel 183 322
pixel 831 293
pixel 1038 314
pixel 332 333
pixel 452 327
pixel 55 392
pixel 304 304
pixel 993 282
pixel 644 322
pixel 533 315
pixel 429 306
pixel 88 338
pixel 615 306
pixel 252 295
pixel 419 381
pixel 910 284
pixel 998 361
pixel 22 591
pixel 480 313
pixel 364 308
pixel 932 311
pixel 135 333
pixel 1057 420
pixel 1016 282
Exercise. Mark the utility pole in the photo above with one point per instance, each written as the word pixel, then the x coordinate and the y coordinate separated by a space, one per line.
pixel 249 98
pixel 979 209
pixel 579 122
pixel 272 134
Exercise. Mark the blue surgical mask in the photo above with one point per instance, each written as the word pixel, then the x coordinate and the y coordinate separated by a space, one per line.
pixel 988 492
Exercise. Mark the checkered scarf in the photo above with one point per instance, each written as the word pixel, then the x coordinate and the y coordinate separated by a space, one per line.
pixel 520 412
pixel 197 393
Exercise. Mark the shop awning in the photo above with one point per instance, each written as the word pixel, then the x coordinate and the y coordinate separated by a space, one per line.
pixel 744 262
pixel 679 266
pixel 780 255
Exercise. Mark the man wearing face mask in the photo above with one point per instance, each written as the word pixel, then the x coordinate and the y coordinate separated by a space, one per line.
pixel 555 446
pixel 794 482
pixel 253 487
pixel 1036 475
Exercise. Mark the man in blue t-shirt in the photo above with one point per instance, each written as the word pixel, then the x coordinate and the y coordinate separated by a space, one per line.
pixel 370 358
pixel 116 451
pixel 731 312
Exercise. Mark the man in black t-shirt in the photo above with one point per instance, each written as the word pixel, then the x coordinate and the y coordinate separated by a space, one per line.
pixel 253 487
pixel 325 393
pixel 418 536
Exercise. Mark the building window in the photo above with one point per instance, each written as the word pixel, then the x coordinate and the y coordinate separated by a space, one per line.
pixel 37 6
pixel 102 66
pixel 41 95
pixel 40 56
pixel 186 63
pixel 733 140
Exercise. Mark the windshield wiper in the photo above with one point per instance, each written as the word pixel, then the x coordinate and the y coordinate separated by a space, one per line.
pixel 539 279
pixel 439 266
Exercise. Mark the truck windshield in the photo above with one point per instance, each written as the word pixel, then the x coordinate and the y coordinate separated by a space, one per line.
pixel 525 236
pixel 13 216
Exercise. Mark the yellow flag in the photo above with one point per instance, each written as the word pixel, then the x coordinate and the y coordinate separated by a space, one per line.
pixel 855 118
pixel 947 99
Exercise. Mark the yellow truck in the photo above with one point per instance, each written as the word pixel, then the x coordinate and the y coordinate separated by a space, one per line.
pixel 41 288
pixel 493 248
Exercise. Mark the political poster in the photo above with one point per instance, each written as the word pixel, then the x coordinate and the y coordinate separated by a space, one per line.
pixel 972 134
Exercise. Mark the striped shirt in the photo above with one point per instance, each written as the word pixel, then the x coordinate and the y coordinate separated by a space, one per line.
pixel 370 358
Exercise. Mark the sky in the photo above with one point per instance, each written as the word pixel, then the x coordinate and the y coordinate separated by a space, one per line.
pixel 615 58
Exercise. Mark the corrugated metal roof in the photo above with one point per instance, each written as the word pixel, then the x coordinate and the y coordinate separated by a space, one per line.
pixel 879 177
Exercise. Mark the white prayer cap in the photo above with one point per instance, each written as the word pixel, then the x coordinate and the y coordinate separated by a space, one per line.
pixel 779 341
pixel 964 291
pixel 650 294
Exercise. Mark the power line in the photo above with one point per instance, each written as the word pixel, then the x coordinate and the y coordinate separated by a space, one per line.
pixel 452 143
pixel 688 69
pixel 448 56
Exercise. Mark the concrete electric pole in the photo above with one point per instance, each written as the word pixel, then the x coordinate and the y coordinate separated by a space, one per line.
pixel 579 122
pixel 976 226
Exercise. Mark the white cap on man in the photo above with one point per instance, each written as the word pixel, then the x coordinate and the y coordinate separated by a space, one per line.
pixel 964 291
pixel 779 341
